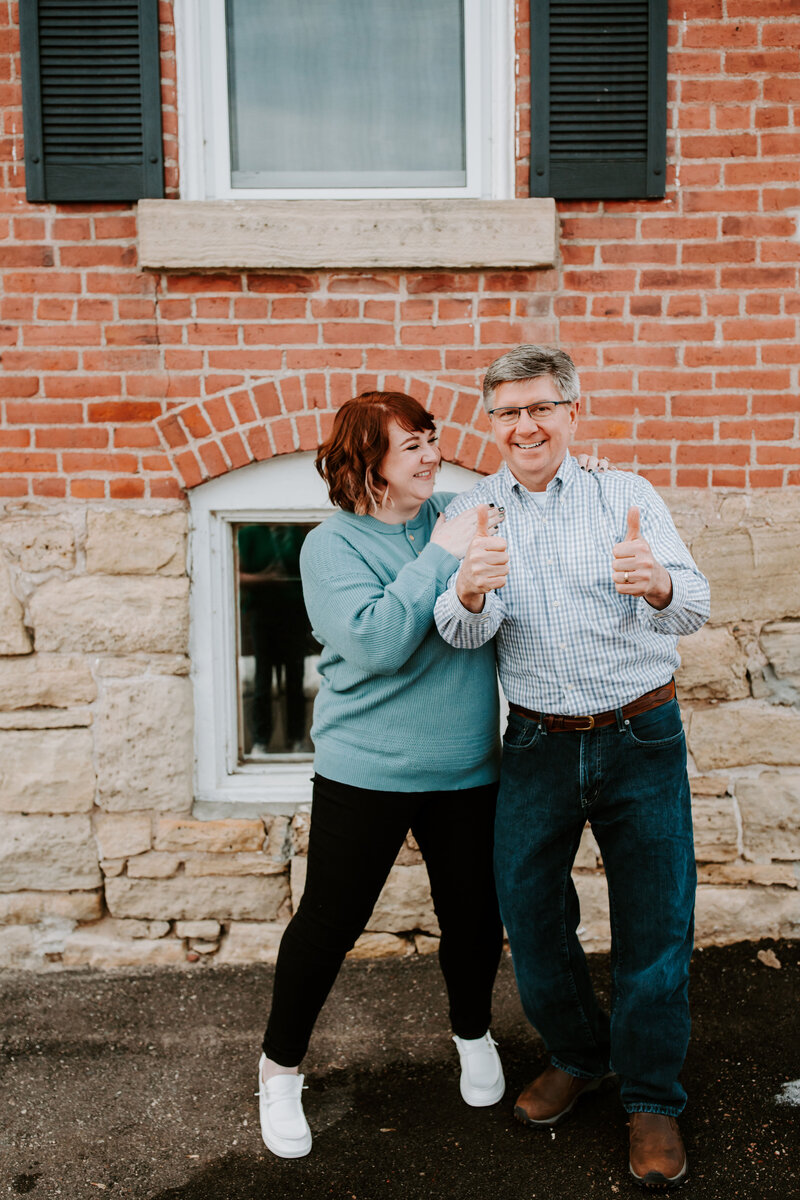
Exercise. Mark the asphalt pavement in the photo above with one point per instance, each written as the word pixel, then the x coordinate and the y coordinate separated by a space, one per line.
pixel 140 1084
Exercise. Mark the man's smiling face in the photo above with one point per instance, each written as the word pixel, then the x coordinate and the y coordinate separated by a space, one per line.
pixel 533 450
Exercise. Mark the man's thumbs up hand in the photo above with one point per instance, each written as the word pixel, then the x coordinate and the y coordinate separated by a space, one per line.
pixel 634 518
pixel 635 570
pixel 485 565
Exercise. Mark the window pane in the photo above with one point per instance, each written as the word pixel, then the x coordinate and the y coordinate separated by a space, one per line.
pixel 277 655
pixel 346 93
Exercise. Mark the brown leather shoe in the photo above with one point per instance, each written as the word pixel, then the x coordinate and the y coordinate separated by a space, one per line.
pixel 658 1159
pixel 551 1096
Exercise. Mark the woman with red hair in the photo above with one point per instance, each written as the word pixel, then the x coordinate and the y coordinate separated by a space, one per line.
pixel 406 737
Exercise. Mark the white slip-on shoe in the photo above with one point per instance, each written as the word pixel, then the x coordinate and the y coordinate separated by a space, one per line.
pixel 482 1082
pixel 284 1127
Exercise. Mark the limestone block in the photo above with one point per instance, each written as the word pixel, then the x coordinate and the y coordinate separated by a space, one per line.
pixel 770 808
pixel 594 930
pixel 46 718
pixel 34 947
pixel 301 823
pixel 143 744
pixel 713 667
pixel 754 572
pixel 197 929
pixel 112 866
pixel 710 785
pixel 588 855
pixel 297 879
pixel 216 837
pixel 153 865
pixel 362 234
pixel 132 928
pixel 39 543
pixel 425 944
pixel 739 874
pixel 251 942
pixel 121 834
pixel 405 903
pixel 112 613
pixel 382 945
pixel 48 770
pixel 28 908
pixel 247 863
pixel 48 854
pixel 45 680
pixel 191 899
pixel 14 638
pixel 780 641
pixel 122 666
pixel 122 541
pixel 278 845
pixel 715 831
pixel 410 852
pixel 93 947
pixel 736 735
pixel 776 670
pixel 736 914
pixel 202 947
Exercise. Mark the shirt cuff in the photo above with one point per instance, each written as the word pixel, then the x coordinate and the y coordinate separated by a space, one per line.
pixel 466 614
pixel 676 604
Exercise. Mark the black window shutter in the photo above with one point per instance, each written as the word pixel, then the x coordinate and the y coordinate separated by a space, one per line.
pixel 91 99
pixel 598 98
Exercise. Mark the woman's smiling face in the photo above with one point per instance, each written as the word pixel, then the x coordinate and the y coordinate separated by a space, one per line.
pixel 409 468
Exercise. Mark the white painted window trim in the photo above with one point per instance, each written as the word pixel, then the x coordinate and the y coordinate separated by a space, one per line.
pixel 288 489
pixel 204 157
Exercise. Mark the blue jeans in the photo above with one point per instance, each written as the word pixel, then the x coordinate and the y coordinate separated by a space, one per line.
pixel 629 781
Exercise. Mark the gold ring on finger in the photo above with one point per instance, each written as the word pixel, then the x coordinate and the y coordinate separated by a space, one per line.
pixel 626 576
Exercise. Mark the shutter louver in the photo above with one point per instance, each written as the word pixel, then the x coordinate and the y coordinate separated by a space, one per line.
pixel 598 98
pixel 91 99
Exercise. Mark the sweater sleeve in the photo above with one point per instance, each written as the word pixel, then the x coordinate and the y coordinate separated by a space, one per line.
pixel 374 626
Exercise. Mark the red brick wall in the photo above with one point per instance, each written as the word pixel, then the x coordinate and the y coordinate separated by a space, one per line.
pixel 681 313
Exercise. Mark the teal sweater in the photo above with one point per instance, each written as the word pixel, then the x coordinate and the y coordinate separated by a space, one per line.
pixel 398 708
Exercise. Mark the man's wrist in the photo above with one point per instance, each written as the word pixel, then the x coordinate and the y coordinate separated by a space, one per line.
pixel 660 595
pixel 472 601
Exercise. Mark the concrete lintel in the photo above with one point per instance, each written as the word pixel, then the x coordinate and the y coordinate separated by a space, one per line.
pixel 356 234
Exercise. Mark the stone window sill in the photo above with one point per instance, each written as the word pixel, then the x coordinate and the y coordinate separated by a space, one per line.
pixel 354 234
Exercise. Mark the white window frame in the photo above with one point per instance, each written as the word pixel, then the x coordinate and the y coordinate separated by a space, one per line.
pixel 284 489
pixel 203 133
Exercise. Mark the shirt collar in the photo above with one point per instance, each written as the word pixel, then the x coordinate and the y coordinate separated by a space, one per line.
pixel 562 479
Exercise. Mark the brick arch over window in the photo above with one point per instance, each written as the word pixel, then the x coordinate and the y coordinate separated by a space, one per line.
pixel 276 415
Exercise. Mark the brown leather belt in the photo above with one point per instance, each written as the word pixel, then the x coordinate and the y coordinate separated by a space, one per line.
pixel 554 723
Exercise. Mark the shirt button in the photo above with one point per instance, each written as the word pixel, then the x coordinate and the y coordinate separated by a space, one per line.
pixel 556 604
pixel 411 537
pixel 563 645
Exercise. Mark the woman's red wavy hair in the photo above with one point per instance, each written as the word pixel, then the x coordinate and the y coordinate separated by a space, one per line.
pixel 349 461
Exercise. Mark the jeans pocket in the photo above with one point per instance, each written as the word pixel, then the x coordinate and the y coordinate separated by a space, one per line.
pixel 520 733
pixel 657 727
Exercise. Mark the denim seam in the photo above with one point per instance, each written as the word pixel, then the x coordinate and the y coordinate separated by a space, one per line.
pixel 664 1110
pixel 568 1070
pixel 658 743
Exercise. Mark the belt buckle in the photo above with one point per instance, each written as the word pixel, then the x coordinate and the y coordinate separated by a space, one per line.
pixel 583 728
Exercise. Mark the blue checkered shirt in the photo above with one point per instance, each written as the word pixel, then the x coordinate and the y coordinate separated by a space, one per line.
pixel 567 641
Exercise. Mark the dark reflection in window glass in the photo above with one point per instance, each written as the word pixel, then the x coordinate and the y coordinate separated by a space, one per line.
pixel 277 654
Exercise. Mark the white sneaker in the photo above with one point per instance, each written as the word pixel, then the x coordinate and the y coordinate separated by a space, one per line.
pixel 482 1081
pixel 280 1105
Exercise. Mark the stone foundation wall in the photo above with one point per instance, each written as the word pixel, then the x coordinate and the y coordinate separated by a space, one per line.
pixel 101 861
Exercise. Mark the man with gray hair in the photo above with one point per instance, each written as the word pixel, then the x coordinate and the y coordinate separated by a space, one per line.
pixel 586 598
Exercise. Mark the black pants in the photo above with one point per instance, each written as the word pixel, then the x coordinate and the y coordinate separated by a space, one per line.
pixel 355 836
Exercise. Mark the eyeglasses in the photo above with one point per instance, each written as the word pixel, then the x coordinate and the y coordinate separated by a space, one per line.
pixel 538 412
